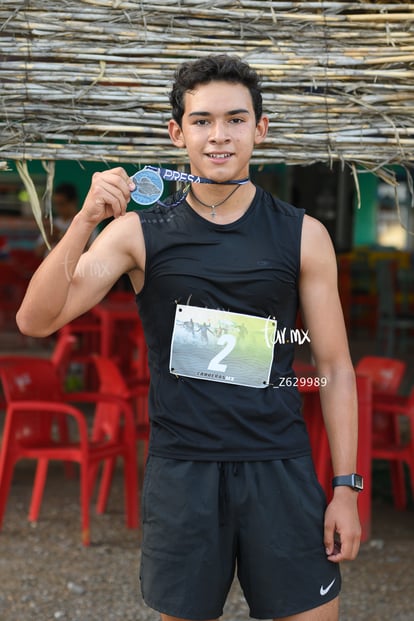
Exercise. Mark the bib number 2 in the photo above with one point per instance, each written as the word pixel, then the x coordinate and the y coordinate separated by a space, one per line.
pixel 229 341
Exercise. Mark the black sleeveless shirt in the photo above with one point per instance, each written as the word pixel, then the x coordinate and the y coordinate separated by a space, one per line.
pixel 250 266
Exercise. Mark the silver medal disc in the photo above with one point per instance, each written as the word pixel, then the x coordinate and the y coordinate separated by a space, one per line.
pixel 148 187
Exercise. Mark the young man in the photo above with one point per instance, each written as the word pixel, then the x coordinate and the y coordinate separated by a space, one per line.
pixel 229 481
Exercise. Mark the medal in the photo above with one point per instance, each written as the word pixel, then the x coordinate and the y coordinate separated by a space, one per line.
pixel 148 187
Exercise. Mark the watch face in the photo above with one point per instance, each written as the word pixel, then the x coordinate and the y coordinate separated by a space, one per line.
pixel 358 482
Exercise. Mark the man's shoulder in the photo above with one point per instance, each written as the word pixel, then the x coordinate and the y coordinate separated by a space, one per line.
pixel 314 228
pixel 316 243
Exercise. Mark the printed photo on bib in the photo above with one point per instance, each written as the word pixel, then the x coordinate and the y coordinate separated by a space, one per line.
pixel 221 346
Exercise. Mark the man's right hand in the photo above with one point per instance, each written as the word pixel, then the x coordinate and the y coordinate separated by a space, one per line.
pixel 108 195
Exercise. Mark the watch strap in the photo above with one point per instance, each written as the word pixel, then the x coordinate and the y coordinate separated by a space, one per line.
pixel 354 480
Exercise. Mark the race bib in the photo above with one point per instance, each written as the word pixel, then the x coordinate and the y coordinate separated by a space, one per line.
pixel 220 346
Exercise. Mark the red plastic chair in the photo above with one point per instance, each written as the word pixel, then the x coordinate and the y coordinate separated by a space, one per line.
pixel 386 375
pixel 111 382
pixel 60 358
pixel 35 407
pixel 62 353
pixel 399 449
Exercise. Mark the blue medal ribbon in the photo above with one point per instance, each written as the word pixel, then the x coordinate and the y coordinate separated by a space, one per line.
pixel 149 184
pixel 175 175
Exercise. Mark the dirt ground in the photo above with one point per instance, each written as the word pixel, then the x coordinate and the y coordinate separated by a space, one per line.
pixel 46 574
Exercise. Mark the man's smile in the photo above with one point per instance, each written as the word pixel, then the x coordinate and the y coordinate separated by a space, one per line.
pixel 219 156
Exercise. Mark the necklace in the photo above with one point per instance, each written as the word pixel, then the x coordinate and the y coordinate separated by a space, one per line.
pixel 213 207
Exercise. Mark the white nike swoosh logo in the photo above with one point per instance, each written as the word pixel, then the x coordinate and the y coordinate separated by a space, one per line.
pixel 327 589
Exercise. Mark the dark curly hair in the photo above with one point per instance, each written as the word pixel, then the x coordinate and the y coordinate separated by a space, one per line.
pixel 215 67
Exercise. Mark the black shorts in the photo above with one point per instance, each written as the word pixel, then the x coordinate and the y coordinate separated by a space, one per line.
pixel 202 520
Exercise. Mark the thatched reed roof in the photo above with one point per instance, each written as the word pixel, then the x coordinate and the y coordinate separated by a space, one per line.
pixel 89 80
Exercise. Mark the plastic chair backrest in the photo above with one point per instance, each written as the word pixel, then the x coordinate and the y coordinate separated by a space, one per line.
pixel 62 354
pixel 28 380
pixel 31 380
pixel 63 349
pixel 111 381
pixel 110 378
pixel 38 380
pixel 107 415
pixel 386 373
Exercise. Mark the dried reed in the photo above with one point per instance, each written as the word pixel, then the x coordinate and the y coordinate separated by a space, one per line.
pixel 89 80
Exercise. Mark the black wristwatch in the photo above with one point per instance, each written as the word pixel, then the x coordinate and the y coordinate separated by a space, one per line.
pixel 355 481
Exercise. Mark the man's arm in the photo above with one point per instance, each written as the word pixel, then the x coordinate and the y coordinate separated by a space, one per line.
pixel 322 313
pixel 70 281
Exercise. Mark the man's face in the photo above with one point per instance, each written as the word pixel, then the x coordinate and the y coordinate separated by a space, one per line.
pixel 219 130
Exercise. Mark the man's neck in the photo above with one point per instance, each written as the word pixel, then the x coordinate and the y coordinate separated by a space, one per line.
pixel 222 204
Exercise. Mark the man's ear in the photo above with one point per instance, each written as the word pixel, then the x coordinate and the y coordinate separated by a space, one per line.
pixel 261 129
pixel 176 134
